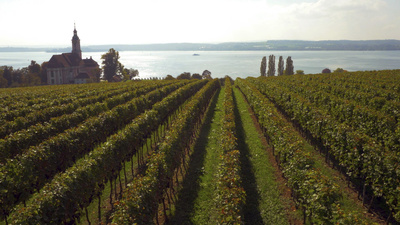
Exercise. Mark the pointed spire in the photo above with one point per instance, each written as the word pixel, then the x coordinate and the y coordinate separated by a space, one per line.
pixel 76 45
pixel 75 29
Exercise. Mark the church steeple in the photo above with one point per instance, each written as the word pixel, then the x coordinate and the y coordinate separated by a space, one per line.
pixel 76 43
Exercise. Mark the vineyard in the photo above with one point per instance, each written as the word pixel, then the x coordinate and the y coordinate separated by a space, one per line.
pixel 300 149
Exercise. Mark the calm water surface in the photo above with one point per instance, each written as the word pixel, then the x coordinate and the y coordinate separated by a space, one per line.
pixel 221 63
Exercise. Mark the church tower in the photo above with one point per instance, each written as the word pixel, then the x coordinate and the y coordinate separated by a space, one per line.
pixel 76 44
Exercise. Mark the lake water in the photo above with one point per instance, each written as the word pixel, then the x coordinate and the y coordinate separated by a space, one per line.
pixel 221 63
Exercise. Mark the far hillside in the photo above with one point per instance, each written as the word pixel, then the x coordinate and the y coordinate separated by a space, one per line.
pixel 296 45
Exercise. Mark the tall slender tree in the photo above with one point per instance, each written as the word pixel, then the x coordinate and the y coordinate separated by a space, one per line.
pixel 3 81
pixel 289 66
pixel 281 65
pixel 271 66
pixel 263 67
pixel 111 64
pixel 7 74
pixel 43 72
pixel 34 67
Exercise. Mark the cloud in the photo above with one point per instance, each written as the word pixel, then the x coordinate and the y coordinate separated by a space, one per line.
pixel 340 19
pixel 160 21
pixel 342 7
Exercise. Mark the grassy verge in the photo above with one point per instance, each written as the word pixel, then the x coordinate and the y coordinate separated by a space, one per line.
pixel 264 204
pixel 195 200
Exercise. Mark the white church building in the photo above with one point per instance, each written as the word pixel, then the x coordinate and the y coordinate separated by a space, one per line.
pixel 70 68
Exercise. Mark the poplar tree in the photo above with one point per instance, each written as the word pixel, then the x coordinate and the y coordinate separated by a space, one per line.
pixel 271 66
pixel 289 66
pixel 281 65
pixel 263 67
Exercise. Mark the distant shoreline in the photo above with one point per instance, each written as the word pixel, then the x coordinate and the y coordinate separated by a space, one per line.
pixel 221 63
pixel 273 45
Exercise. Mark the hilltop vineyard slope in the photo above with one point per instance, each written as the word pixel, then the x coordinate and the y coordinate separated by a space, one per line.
pixel 299 149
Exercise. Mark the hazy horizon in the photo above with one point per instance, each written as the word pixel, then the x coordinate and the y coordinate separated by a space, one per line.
pixel 69 45
pixel 51 23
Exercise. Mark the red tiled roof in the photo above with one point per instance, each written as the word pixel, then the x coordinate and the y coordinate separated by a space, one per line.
pixel 64 60
pixel 57 61
pixel 89 62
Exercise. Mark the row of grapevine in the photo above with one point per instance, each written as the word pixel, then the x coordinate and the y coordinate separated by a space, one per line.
pixel 29 171
pixel 382 100
pixel 377 98
pixel 384 83
pixel 371 162
pixel 18 142
pixel 40 98
pixel 314 193
pixel 140 200
pixel 230 195
pixel 62 200
pixel 44 115
pixel 365 120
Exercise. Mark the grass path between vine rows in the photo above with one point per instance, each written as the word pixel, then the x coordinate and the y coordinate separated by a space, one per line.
pixel 265 203
pixel 195 200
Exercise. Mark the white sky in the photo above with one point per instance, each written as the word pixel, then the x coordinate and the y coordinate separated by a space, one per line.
pixel 51 22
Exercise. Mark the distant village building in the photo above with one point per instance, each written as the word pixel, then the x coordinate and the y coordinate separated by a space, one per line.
pixel 70 68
